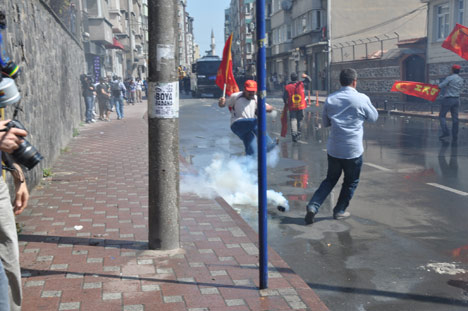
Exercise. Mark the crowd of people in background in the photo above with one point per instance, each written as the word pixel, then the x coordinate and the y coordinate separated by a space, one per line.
pixel 110 94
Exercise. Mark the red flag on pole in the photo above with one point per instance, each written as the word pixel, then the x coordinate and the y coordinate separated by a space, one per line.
pixel 225 78
pixel 284 121
pixel 457 41
pixel 418 89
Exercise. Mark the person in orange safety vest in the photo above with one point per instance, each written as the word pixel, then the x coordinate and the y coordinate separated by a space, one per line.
pixel 295 102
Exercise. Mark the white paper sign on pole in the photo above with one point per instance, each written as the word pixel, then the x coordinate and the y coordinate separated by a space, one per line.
pixel 164 100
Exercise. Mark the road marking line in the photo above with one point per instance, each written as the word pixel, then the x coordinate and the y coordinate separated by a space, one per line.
pixel 448 189
pixel 378 167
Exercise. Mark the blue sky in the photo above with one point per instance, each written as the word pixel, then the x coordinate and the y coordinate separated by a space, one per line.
pixel 208 14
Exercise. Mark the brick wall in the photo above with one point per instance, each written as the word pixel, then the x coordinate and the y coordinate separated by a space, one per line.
pixel 375 78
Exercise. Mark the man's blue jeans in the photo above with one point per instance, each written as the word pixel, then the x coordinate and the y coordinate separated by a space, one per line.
pixel 449 104
pixel 89 103
pixel 247 130
pixel 118 102
pixel 351 169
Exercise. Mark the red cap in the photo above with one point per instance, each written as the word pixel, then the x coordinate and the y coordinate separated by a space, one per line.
pixel 250 85
pixel 456 67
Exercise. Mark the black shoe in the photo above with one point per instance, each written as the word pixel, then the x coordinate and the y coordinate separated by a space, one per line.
pixel 309 218
pixel 443 136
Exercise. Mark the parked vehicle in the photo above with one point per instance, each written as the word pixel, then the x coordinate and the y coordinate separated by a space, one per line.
pixel 203 79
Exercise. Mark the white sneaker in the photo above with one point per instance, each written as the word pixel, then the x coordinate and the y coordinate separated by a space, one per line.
pixel 93 121
pixel 342 215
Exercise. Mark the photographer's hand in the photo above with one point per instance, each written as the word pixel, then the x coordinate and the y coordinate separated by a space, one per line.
pixel 11 139
pixel 21 190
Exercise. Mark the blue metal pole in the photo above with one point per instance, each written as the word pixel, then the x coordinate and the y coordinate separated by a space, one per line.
pixel 262 180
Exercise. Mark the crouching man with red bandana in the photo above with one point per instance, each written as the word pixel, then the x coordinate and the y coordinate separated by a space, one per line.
pixel 243 107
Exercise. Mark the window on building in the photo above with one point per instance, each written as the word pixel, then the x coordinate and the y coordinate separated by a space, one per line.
pixel 317 20
pixel 93 8
pixel 460 11
pixel 296 27
pixel 248 8
pixel 305 25
pixel 268 10
pixel 276 6
pixel 442 21
pixel 248 48
pixel 282 36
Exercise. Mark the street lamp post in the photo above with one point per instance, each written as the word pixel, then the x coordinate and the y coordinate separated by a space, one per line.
pixel 262 180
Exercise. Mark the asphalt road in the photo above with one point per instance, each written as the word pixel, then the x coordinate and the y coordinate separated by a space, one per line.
pixel 405 247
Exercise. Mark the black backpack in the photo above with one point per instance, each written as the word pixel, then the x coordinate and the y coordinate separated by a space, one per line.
pixel 115 89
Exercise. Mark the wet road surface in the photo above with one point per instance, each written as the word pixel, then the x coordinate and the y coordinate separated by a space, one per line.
pixel 405 247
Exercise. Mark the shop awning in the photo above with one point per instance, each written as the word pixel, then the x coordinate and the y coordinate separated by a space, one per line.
pixel 115 44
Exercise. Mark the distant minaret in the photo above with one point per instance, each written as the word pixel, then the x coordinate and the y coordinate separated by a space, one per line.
pixel 213 45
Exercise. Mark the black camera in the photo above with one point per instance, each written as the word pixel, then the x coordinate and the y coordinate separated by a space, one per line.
pixel 26 154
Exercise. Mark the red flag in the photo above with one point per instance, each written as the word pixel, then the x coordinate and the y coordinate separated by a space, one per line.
pixel 225 77
pixel 418 89
pixel 457 41
pixel 284 121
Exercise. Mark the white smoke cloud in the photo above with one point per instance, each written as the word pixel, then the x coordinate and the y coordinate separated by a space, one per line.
pixel 234 179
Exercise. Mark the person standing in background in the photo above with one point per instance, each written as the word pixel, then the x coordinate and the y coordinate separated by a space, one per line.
pixel 117 91
pixel 451 88
pixel 88 94
pixel 295 102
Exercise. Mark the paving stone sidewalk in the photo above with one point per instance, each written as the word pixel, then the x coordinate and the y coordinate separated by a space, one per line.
pixel 83 245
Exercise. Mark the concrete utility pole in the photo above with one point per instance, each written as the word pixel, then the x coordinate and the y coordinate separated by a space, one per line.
pixel 163 126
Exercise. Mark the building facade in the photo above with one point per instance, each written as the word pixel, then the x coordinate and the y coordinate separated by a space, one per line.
pixel 298 41
pixel 241 23
pixel 186 49
pixel 442 16
pixel 114 34
pixel 305 35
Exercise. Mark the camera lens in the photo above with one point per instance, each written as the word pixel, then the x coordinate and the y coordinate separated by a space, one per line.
pixel 11 69
pixel 27 155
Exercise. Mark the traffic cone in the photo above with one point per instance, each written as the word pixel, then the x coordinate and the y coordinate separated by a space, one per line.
pixel 316 100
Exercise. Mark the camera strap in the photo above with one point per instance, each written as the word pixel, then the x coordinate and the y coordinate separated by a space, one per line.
pixel 7 168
